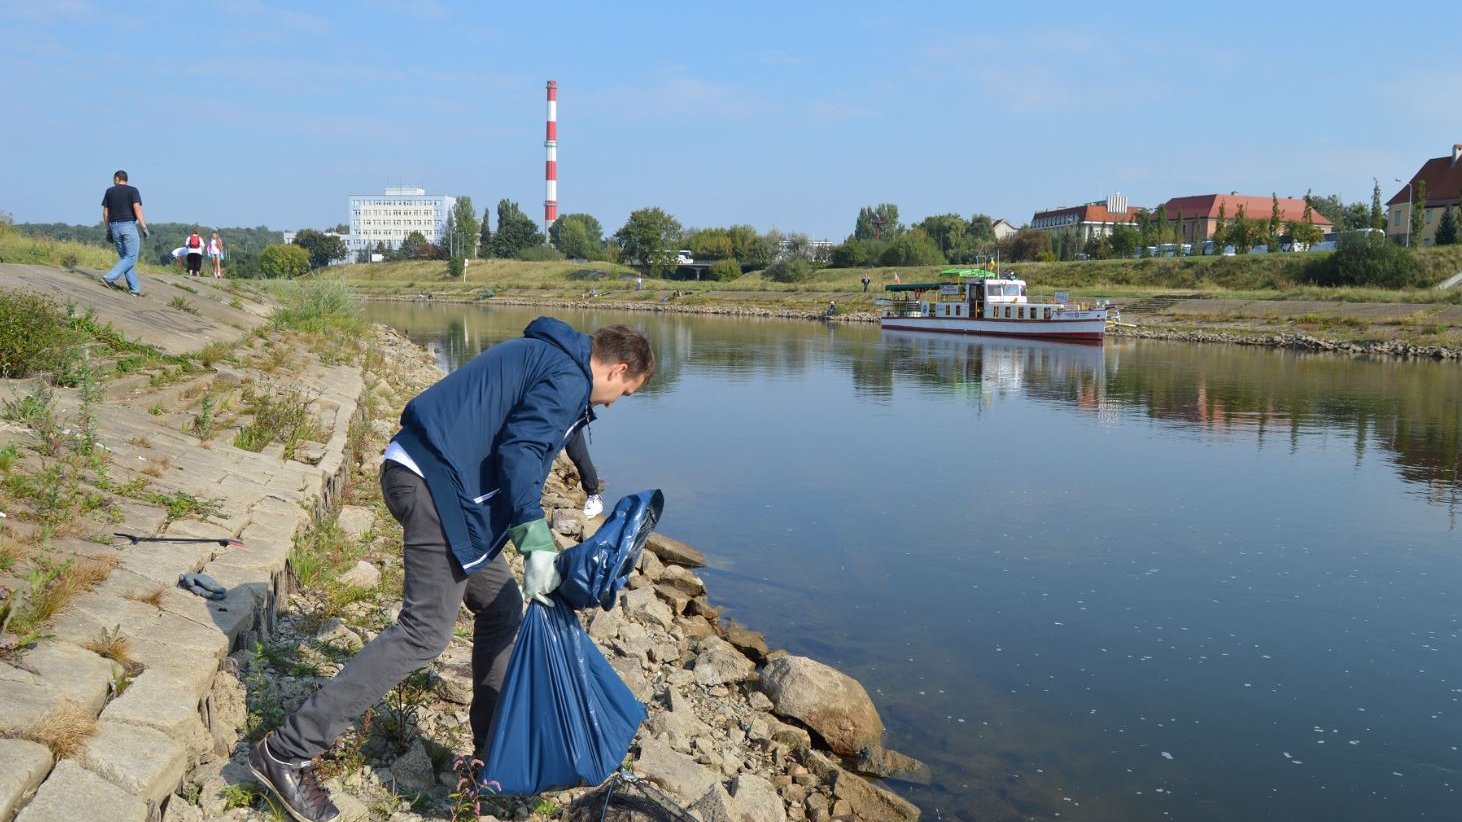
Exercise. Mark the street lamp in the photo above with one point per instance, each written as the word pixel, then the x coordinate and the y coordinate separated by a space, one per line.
pixel 1408 210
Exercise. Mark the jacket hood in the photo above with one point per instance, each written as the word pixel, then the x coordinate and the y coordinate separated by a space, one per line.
pixel 558 333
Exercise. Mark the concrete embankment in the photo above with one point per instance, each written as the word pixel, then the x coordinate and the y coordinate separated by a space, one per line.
pixel 141 698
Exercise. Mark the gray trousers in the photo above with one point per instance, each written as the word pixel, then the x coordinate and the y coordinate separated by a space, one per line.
pixel 434 589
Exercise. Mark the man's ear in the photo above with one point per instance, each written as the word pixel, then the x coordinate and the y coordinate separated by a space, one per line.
pixel 619 370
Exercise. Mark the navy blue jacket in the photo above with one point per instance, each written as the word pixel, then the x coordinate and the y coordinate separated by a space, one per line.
pixel 485 436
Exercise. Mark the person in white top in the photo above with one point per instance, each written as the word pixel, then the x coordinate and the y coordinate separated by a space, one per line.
pixel 215 252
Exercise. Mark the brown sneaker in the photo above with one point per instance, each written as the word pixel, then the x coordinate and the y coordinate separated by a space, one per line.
pixel 295 783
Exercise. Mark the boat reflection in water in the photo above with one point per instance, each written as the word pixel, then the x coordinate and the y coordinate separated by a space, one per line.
pixel 984 369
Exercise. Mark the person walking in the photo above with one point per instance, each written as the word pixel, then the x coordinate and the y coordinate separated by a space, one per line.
pixel 123 217
pixel 578 450
pixel 866 281
pixel 215 253
pixel 194 244
pixel 464 476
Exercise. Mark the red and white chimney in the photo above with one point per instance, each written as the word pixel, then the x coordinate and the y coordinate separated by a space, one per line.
pixel 550 168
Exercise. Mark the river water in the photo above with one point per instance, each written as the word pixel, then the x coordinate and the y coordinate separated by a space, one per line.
pixel 1141 581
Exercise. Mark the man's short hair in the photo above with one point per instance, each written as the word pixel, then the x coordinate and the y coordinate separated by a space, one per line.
pixel 120 175
pixel 614 344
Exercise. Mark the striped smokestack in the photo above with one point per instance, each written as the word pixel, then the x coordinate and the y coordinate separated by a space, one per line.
pixel 550 169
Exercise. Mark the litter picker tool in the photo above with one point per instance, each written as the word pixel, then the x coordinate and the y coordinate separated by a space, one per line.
pixel 226 542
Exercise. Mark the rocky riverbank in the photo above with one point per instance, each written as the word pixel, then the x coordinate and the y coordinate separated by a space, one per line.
pixel 141 698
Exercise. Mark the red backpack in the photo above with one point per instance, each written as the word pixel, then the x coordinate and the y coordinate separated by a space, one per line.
pixel 194 241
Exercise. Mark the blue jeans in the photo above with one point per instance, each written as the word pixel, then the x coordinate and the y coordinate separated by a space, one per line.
pixel 129 244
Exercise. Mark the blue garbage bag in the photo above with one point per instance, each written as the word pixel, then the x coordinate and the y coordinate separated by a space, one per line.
pixel 594 570
pixel 564 717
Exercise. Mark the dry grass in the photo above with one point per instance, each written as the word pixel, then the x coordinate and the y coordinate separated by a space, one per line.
pixel 65 729
pixel 153 597
pixel 112 645
pixel 141 442
pixel 155 467
pixel 66 581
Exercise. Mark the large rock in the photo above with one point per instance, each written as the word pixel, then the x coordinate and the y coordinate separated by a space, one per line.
pixel 870 802
pixel 824 699
pixel 753 799
pixel 356 521
pixel 891 764
pixel 682 578
pixel 674 552
pixel 414 770
pixel 363 575
pixel 677 773
pixel 719 663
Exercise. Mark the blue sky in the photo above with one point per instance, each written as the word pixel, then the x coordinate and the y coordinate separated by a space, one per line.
pixel 782 115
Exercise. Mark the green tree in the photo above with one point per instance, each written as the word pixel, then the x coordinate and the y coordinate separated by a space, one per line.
pixel 484 237
pixel 578 236
pixel 951 233
pixel 912 248
pixel 516 231
pixel 1031 245
pixel 1305 231
pixel 1378 217
pixel 320 247
pixel 880 222
pixel 710 244
pixel 1447 228
pixel 417 247
pixel 649 239
pixel 1275 223
pixel 1418 213
pixel 1124 240
pixel 753 250
pixel 284 261
pixel 462 229
pixel 982 232
pixel 1220 228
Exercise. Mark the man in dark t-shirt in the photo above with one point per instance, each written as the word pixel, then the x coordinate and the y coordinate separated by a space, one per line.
pixel 122 215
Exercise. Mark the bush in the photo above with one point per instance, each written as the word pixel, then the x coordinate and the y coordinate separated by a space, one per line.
pixel 539 254
pixel 320 306
pixel 34 335
pixel 1366 258
pixel 281 261
pixel 455 267
pixel 790 270
pixel 722 270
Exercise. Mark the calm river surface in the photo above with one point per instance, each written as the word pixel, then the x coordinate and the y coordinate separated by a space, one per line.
pixel 1145 581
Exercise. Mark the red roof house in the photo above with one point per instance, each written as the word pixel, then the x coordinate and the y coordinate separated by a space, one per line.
pixel 1443 178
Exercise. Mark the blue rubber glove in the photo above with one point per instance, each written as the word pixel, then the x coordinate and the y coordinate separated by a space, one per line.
pixel 146 232
pixel 540 575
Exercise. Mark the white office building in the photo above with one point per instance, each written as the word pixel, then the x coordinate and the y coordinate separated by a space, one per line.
pixel 388 218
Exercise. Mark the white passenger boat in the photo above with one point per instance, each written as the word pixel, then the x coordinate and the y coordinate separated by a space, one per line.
pixel 974 301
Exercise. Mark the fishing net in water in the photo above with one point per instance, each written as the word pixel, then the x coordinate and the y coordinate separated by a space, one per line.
pixel 625 797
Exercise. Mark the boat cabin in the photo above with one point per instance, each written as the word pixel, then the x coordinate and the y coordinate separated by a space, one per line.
pixel 968 293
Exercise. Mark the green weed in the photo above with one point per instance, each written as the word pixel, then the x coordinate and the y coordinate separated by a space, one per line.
pixel 181 303
pixel 282 416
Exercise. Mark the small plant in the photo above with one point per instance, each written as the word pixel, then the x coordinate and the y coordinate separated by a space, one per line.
pixel 64 729
pixel 181 303
pixel 204 421
pixel 112 645
pixel 70 259
pixel 240 795
pixel 183 505
pixel 466 798
pixel 155 409
pixel 279 416
pixel 402 709
pixel 214 352
pixel 8 454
